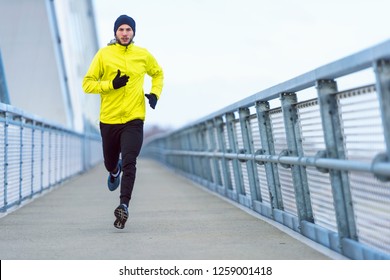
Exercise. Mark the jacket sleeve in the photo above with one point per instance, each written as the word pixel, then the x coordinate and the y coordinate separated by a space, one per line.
pixel 92 82
pixel 155 71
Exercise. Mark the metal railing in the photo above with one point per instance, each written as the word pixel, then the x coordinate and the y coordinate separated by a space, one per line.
pixel 37 155
pixel 319 165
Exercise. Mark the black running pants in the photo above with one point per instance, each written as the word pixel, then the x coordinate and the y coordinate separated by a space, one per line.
pixel 125 140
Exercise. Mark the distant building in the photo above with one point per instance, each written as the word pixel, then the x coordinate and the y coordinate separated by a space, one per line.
pixel 46 47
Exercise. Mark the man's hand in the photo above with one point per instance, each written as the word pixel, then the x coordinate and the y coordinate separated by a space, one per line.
pixel 119 81
pixel 152 99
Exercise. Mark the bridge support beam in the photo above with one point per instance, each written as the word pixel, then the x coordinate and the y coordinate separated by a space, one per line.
pixel 334 142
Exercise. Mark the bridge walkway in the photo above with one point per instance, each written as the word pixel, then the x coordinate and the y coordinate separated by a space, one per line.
pixel 171 218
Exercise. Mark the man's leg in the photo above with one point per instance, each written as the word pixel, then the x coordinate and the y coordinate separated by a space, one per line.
pixel 131 143
pixel 111 150
pixel 111 145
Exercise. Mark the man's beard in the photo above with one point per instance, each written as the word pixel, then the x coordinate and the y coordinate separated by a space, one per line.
pixel 120 43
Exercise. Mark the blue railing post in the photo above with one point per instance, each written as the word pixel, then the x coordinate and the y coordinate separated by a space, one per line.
pixel 248 147
pixel 294 144
pixel 204 146
pixel 41 171
pixel 179 145
pixel 187 146
pixel 213 148
pixel 32 123
pixel 224 162
pixel 6 144
pixel 268 148
pixel 200 167
pixel 334 141
pixel 382 71
pixel 21 165
pixel 231 131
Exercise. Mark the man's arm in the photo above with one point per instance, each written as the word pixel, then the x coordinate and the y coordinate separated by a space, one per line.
pixel 92 82
pixel 157 74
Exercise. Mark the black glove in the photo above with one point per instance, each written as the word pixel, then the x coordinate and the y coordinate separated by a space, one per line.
pixel 152 99
pixel 118 81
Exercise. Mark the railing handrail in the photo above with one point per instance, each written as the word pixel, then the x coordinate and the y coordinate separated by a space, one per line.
pixel 17 112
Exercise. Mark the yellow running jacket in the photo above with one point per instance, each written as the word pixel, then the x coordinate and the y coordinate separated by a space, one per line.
pixel 118 106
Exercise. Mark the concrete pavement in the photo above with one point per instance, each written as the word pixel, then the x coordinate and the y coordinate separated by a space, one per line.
pixel 171 218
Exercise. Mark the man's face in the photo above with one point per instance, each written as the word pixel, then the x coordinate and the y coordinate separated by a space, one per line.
pixel 124 35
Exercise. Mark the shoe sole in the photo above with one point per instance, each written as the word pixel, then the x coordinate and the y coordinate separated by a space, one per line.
pixel 121 218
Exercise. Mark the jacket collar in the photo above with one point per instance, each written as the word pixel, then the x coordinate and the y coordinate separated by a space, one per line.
pixel 124 48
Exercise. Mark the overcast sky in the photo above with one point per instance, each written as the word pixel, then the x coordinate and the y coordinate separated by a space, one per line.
pixel 217 52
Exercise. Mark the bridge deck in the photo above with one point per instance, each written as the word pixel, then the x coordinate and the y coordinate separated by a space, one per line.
pixel 170 218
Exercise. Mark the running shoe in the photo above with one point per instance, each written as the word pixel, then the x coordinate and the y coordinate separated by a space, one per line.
pixel 121 214
pixel 112 181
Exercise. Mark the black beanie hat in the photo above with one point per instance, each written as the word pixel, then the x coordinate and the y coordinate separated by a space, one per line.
pixel 124 19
